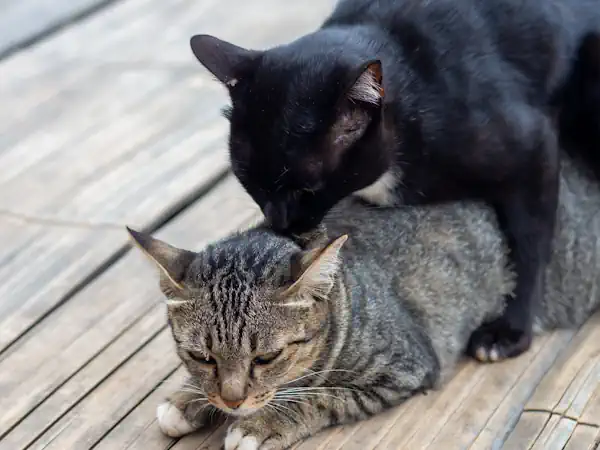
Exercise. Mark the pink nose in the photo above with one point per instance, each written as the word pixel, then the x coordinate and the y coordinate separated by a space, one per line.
pixel 233 404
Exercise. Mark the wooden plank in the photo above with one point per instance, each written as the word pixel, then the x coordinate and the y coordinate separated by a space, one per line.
pixel 96 330
pixel 438 407
pixel 591 412
pixel 585 395
pixel 123 140
pixel 499 383
pixel 201 441
pixel 556 434
pixel 526 432
pixel 547 431
pixel 89 420
pixel 584 438
pixel 507 414
pixel 130 341
pixel 26 20
pixel 571 381
pixel 139 430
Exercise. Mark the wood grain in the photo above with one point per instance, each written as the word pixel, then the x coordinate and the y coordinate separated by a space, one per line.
pixel 584 438
pixel 26 20
pixel 526 432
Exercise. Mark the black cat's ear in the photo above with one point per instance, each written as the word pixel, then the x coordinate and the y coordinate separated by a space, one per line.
pixel 172 262
pixel 362 98
pixel 315 272
pixel 368 85
pixel 224 60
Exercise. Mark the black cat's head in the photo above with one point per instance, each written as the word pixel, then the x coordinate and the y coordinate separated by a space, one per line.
pixel 306 123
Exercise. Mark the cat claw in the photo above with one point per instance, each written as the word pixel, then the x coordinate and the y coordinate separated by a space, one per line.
pixel 235 440
pixel 172 421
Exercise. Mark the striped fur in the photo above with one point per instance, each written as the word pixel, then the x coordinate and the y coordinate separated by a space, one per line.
pixel 412 285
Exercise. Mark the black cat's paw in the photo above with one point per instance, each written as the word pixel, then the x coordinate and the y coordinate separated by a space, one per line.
pixel 498 340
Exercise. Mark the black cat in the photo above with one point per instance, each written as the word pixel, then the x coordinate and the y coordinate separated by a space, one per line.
pixel 578 105
pixel 412 101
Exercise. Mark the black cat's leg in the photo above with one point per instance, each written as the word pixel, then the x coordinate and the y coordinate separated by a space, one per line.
pixel 526 211
pixel 578 105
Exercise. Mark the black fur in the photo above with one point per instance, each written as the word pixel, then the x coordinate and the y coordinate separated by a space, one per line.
pixel 579 105
pixel 465 113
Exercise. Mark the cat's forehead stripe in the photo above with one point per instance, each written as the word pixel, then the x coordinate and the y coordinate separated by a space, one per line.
pixel 254 255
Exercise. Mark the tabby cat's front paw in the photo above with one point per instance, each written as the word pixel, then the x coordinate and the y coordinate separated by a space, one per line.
pixel 171 420
pixel 244 437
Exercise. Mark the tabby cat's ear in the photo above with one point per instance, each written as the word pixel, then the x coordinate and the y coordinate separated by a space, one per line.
pixel 368 85
pixel 172 262
pixel 316 273
pixel 224 60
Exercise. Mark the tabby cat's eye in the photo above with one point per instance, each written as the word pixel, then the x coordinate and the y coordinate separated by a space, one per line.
pixel 267 358
pixel 202 358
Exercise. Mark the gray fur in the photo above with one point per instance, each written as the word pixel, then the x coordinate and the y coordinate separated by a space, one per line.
pixel 412 285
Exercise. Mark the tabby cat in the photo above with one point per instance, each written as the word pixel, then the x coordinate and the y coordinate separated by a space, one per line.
pixel 413 101
pixel 290 338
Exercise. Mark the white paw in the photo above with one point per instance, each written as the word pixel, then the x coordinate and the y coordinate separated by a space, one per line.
pixel 171 420
pixel 235 440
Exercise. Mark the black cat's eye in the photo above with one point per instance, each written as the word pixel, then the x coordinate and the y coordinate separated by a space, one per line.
pixel 267 358
pixel 202 358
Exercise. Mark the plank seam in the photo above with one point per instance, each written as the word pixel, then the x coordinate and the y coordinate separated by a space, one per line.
pixel 562 416
pixel 83 366
pixel 58 222
pixel 51 30
pixel 163 219
pixel 150 392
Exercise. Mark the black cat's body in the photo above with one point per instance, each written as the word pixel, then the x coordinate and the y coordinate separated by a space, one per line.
pixel 579 105
pixel 419 101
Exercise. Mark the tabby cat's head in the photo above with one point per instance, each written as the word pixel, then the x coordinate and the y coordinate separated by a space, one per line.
pixel 248 314
pixel 306 122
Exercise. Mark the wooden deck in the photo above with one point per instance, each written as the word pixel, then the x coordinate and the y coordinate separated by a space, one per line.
pixel 105 120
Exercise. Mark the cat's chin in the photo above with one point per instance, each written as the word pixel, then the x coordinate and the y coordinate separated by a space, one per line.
pixel 243 412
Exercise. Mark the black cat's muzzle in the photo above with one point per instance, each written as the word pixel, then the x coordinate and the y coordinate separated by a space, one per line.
pixel 277 215
pixel 292 217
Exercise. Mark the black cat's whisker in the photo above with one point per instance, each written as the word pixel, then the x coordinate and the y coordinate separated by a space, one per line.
pixel 284 171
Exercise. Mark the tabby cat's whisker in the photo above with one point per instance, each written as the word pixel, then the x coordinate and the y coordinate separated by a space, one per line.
pixel 192 386
pixel 281 410
pixel 318 388
pixel 315 373
pixel 193 391
pixel 314 394
pixel 194 400
pixel 293 400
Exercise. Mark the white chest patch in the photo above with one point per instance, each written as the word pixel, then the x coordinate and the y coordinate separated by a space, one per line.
pixel 383 191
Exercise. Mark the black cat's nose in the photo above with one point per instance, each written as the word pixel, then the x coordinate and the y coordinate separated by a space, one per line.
pixel 277 215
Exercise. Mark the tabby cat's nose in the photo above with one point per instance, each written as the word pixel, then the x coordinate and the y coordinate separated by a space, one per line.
pixel 233 404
